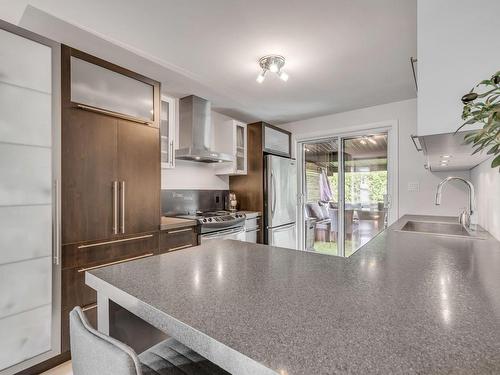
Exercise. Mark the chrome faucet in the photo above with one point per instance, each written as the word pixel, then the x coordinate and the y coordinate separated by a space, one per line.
pixel 465 217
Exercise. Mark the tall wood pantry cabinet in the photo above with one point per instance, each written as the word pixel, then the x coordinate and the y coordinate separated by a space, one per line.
pixel 110 183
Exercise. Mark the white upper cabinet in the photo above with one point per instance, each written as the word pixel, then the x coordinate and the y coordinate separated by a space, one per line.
pixel 456 50
pixel 230 137
pixel 168 119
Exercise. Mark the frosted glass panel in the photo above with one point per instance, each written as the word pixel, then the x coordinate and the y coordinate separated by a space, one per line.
pixel 25 199
pixel 24 335
pixel 26 175
pixel 17 69
pixel 17 241
pixel 24 286
pixel 25 116
pixel 102 88
pixel 276 141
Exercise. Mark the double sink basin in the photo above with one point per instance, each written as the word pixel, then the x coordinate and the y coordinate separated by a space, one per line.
pixel 437 228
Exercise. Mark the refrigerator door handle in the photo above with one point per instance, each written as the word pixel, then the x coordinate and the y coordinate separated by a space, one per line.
pixel 273 188
pixel 284 227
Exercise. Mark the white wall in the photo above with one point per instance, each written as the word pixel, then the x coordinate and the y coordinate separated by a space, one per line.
pixel 486 180
pixel 192 175
pixel 411 162
pixel 455 42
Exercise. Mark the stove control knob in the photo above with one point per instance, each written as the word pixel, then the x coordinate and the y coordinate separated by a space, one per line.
pixel 210 219
pixel 204 220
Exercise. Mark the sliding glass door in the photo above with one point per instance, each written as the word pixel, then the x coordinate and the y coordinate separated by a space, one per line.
pixel 344 191
pixel 29 200
pixel 321 165
pixel 364 189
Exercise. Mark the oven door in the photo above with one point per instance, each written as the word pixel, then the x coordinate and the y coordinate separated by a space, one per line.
pixel 229 234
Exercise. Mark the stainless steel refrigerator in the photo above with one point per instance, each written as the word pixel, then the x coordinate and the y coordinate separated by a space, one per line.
pixel 280 201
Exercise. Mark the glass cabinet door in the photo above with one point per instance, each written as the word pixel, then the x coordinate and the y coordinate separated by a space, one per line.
pixel 241 145
pixel 167 132
pixel 98 87
pixel 29 322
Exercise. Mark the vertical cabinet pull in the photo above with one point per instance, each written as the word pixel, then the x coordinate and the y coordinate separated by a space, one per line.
pixel 171 153
pixel 115 207
pixel 123 207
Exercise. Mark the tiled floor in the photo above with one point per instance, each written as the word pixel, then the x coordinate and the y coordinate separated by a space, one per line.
pixel 64 369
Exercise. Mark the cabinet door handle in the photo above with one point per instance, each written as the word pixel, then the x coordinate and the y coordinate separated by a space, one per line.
pixel 115 207
pixel 116 262
pixel 180 247
pixel 179 231
pixel 89 307
pixel 171 153
pixel 115 241
pixel 123 207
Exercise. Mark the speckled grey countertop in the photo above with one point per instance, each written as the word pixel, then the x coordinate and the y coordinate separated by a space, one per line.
pixel 405 303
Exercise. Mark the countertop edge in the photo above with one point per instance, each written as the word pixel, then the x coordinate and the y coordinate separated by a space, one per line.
pixel 226 357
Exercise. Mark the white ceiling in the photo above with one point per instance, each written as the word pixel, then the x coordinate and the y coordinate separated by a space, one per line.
pixel 341 54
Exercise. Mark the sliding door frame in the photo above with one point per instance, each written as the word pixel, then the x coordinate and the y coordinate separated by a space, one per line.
pixel 55 348
pixel 391 128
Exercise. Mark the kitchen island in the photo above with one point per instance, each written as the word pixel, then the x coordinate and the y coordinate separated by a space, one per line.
pixel 404 303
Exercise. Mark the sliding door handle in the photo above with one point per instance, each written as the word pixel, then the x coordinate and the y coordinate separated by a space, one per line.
pixel 122 190
pixel 115 207
pixel 57 225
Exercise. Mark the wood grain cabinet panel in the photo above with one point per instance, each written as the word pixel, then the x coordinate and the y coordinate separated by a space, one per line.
pixel 89 254
pixel 177 239
pixel 139 171
pixel 89 167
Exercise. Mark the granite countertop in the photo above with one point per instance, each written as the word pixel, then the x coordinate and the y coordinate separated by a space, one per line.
pixel 168 223
pixel 403 303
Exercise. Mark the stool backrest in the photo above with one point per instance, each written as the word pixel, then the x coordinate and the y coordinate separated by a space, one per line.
pixel 95 353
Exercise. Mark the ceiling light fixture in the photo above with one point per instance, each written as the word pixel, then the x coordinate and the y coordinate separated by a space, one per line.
pixel 274 64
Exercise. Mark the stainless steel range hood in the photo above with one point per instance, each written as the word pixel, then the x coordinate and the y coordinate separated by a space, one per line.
pixel 195 132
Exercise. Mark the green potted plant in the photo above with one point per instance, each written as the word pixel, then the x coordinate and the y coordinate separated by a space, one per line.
pixel 484 107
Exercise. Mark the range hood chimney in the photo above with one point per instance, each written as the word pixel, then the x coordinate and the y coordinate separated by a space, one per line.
pixel 195 132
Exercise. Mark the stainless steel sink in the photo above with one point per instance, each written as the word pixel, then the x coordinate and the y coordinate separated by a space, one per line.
pixel 445 229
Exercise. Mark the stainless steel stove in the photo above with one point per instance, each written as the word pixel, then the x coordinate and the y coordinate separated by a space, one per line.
pixel 219 224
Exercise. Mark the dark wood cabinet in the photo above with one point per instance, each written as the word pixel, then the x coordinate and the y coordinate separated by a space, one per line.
pixel 89 167
pixel 110 187
pixel 139 174
pixel 177 239
pixel 81 257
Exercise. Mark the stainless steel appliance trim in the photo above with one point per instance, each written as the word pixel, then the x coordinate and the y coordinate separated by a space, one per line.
pixel 179 230
pixel 252 229
pixel 115 207
pixel 116 262
pixel 89 307
pixel 57 229
pixel 180 247
pixel 114 114
pixel 223 233
pixel 123 207
pixel 115 241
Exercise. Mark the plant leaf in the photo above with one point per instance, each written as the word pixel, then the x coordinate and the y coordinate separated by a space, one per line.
pixel 496 162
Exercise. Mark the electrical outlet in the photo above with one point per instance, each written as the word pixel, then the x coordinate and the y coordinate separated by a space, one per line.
pixel 413 186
